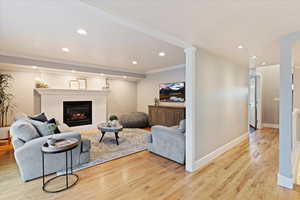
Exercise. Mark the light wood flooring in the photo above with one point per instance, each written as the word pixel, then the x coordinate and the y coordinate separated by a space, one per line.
pixel 247 171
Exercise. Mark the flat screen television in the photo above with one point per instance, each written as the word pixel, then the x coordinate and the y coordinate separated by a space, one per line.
pixel 172 92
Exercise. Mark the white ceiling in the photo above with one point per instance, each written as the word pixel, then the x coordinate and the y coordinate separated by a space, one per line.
pixel 218 26
pixel 40 28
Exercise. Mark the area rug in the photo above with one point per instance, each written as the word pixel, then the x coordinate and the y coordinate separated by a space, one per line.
pixel 130 141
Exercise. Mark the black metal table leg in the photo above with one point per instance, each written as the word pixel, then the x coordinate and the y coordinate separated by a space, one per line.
pixel 116 135
pixel 43 166
pixel 71 163
pixel 103 133
pixel 67 169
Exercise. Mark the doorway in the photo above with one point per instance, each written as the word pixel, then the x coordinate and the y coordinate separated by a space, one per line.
pixel 255 91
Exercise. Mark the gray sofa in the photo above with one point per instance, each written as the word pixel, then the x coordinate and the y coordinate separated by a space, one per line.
pixel 169 142
pixel 29 157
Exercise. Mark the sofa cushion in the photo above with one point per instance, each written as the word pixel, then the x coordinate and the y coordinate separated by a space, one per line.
pixel 24 130
pixel 40 117
pixel 43 128
pixel 86 145
pixel 182 126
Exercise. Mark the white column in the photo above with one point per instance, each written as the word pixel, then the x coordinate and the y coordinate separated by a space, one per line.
pixel 285 175
pixel 190 79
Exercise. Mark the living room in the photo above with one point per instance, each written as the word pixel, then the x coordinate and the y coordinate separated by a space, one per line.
pixel 106 103
pixel 44 90
pixel 134 100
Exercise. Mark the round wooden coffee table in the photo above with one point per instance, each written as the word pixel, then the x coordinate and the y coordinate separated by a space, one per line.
pixel 105 129
pixel 66 145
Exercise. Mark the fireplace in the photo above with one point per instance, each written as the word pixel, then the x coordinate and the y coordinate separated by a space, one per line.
pixel 77 113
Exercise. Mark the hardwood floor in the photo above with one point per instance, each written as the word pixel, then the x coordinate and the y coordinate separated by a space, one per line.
pixel 247 171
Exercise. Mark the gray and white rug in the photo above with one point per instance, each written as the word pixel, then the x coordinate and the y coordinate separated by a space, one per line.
pixel 130 141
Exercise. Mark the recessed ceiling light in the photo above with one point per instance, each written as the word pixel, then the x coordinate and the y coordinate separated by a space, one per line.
pixel 34 67
pixel 263 63
pixel 81 31
pixel 134 62
pixel 65 49
pixel 162 54
pixel 73 71
pixel 240 47
pixel 253 57
pixel 124 76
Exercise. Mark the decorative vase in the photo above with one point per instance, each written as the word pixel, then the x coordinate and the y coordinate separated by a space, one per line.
pixel 114 123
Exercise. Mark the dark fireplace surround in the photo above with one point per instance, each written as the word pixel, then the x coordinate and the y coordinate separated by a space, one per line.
pixel 77 113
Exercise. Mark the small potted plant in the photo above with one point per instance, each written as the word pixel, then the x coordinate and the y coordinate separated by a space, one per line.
pixel 6 104
pixel 113 120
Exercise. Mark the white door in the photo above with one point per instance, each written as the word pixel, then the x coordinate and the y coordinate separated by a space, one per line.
pixel 252 102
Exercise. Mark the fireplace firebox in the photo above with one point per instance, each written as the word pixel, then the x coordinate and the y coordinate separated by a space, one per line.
pixel 77 113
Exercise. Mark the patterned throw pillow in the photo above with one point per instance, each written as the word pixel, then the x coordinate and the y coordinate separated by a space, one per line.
pixel 54 125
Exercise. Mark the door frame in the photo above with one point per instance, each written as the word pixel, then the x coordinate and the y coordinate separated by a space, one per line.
pixel 253 76
pixel 258 99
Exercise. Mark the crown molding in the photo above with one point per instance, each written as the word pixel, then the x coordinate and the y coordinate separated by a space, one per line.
pixel 166 69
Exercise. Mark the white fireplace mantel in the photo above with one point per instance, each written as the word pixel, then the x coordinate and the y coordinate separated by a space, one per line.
pixel 49 91
pixel 50 101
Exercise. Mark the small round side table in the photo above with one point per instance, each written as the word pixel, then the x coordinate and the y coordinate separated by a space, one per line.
pixel 70 144
pixel 113 129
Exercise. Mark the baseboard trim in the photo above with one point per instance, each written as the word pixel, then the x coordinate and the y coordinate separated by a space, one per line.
pixel 208 158
pixel 285 181
pixel 269 125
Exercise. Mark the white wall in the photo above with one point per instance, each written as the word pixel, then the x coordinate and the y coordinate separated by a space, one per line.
pixel 148 88
pixel 222 102
pixel 270 91
pixel 121 99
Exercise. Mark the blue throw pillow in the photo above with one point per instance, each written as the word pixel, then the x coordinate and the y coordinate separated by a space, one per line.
pixel 43 128
pixel 40 117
